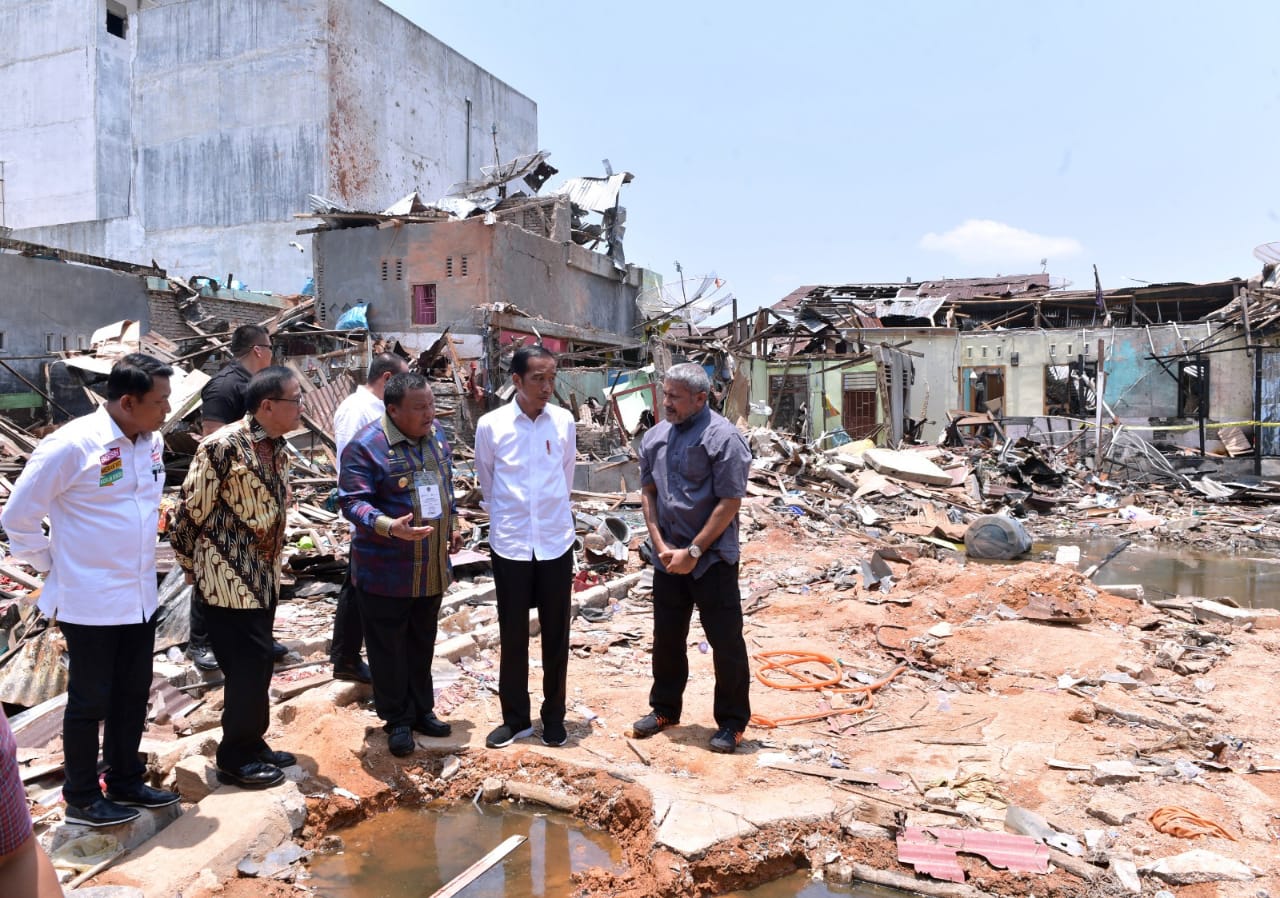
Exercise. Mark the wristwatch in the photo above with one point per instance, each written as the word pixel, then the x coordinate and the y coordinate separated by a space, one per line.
pixel 694 552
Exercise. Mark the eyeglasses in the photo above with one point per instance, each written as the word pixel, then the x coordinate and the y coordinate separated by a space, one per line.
pixel 267 346
pixel 283 399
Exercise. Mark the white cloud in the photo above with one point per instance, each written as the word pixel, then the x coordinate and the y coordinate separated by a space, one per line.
pixel 981 241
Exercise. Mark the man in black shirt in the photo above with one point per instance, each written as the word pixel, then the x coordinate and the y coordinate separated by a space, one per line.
pixel 222 401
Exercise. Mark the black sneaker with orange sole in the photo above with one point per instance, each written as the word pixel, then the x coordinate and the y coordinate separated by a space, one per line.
pixel 651 725
pixel 726 740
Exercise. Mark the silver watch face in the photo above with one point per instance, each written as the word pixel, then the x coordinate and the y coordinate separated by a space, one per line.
pixel 694 551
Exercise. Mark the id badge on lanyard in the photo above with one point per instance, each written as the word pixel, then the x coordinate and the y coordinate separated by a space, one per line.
pixel 428 495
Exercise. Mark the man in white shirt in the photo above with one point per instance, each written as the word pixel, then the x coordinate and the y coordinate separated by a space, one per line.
pixel 99 478
pixel 353 414
pixel 525 455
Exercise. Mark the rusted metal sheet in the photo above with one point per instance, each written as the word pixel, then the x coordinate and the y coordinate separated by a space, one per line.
pixel 36 671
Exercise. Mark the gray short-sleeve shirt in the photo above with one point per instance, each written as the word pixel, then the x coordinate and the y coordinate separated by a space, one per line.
pixel 692 466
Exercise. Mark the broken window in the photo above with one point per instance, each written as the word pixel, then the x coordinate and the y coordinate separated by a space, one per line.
pixel 858 414
pixel 1069 389
pixel 117 19
pixel 982 390
pixel 787 396
pixel 424 303
pixel 1193 388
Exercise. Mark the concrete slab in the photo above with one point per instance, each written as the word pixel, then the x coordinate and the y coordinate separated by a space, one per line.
pixel 798 802
pixel 215 835
pixel 691 827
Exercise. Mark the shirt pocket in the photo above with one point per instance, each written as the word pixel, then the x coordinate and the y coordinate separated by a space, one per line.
pixel 695 467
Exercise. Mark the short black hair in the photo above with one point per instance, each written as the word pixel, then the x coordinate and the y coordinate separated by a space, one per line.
pixel 385 363
pixel 269 383
pixel 401 384
pixel 520 361
pixel 244 337
pixel 134 375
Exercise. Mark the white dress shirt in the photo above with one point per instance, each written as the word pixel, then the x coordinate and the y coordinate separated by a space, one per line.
pixel 525 468
pixel 352 414
pixel 101 492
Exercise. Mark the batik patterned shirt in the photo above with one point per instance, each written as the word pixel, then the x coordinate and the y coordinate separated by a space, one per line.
pixel 229 528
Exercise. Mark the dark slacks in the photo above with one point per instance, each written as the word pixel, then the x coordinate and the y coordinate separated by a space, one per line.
pixel 241 639
pixel 108 683
pixel 348 628
pixel 400 635
pixel 199 638
pixel 719 604
pixel 521 586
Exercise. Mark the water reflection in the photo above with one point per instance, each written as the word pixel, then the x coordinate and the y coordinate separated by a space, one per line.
pixel 800 885
pixel 407 854
pixel 1250 580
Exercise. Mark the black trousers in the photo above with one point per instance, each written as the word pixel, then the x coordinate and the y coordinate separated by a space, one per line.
pixel 521 586
pixel 719 604
pixel 108 683
pixel 348 628
pixel 241 639
pixel 199 638
pixel 400 634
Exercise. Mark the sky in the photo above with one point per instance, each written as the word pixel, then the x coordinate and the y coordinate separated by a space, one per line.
pixel 779 145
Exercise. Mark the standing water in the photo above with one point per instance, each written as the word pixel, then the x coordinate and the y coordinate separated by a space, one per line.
pixel 411 853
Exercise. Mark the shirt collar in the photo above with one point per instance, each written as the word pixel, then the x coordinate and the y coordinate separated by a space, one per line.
pixel 695 418
pixel 108 429
pixel 257 434
pixel 395 436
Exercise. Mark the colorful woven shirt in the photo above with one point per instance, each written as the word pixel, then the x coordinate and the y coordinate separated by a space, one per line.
pixel 228 531
pixel 381 469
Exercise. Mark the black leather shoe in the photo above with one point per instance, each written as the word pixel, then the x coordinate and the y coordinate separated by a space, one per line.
pixel 254 775
pixel 202 657
pixel 143 796
pixel 277 758
pixel 400 741
pixel 430 725
pixel 357 672
pixel 278 650
pixel 99 812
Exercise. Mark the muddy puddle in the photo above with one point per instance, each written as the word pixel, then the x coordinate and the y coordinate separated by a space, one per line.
pixel 1253 581
pixel 410 853
pixel 801 885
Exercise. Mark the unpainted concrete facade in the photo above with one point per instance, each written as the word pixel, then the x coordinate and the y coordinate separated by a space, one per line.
pixel 48 306
pixel 195 137
pixel 468 264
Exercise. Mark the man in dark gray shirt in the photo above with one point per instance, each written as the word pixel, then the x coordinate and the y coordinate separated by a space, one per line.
pixel 693 475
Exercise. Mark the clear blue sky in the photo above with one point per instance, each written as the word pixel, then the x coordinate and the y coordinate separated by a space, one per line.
pixel 837 142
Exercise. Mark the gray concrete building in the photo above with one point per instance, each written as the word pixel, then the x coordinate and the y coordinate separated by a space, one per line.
pixel 191 131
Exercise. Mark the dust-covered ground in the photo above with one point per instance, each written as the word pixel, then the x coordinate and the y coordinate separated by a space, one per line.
pixel 948 706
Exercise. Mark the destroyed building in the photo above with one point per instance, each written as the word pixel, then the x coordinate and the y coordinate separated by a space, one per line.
pixel 189 132
pixel 909 361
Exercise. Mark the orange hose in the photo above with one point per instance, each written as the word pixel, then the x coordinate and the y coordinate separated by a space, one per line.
pixel 805 681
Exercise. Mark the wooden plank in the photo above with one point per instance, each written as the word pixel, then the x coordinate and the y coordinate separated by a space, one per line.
pixel 476 870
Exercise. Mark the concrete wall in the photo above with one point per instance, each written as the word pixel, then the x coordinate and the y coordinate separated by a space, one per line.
pixel 40 297
pixel 503 264
pixel 48 126
pixel 195 139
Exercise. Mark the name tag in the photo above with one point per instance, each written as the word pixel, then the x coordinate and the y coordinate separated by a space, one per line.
pixel 428 496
